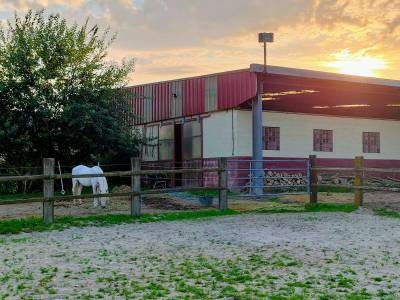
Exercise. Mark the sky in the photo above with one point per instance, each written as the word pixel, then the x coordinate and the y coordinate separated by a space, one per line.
pixel 180 38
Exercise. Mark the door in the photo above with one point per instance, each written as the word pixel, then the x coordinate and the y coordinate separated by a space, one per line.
pixel 178 153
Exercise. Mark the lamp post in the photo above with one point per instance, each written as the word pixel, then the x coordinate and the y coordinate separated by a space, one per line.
pixel 257 166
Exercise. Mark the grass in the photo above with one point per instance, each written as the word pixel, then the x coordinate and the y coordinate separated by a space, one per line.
pixel 334 189
pixel 330 207
pixel 20 196
pixel 36 224
pixel 387 213
pixel 318 207
pixel 209 193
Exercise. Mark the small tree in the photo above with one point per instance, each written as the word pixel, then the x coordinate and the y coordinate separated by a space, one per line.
pixel 59 97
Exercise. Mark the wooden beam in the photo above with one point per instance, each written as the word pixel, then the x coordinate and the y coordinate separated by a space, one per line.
pixel 48 191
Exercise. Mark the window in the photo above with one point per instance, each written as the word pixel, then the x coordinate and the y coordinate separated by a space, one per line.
pixel 371 142
pixel 166 142
pixel 150 149
pixel 192 140
pixel 323 140
pixel 271 138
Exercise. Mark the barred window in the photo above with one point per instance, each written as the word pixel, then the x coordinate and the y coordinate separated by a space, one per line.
pixel 271 138
pixel 150 148
pixel 323 140
pixel 371 142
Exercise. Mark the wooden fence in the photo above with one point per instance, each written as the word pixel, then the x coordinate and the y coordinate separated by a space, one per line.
pixel 135 194
pixel 358 186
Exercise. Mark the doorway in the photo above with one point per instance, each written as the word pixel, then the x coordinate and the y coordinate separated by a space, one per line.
pixel 178 153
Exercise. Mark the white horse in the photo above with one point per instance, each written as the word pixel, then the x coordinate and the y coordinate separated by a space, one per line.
pixel 98 184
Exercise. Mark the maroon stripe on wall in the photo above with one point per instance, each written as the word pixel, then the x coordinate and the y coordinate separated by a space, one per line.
pixel 162 98
pixel 193 96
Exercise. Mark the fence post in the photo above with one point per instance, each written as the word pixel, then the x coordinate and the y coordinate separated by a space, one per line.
pixel 313 180
pixel 135 188
pixel 223 183
pixel 358 181
pixel 48 191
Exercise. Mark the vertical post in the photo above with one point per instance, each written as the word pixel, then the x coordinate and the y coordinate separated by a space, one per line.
pixel 265 57
pixel 223 183
pixel 48 191
pixel 313 180
pixel 257 172
pixel 135 188
pixel 358 181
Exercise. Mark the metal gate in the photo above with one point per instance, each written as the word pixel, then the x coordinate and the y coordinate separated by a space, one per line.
pixel 269 176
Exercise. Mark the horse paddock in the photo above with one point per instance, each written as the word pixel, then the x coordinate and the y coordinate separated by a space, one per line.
pixel 248 256
pixel 184 202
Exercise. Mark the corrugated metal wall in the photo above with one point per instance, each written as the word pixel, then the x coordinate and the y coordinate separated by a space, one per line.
pixel 176 99
pixel 193 95
pixel 235 88
pixel 211 93
pixel 162 101
pixel 186 97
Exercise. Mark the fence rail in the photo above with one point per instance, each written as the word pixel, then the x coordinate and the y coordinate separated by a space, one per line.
pixel 135 194
pixel 106 174
pixel 359 170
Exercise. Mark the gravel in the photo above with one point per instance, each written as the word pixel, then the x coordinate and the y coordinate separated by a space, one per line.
pixel 249 256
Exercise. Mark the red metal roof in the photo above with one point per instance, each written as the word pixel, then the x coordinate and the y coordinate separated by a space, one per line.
pixel 231 90
pixel 285 89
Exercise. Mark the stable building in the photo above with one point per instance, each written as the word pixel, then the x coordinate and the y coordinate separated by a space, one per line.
pixel 284 113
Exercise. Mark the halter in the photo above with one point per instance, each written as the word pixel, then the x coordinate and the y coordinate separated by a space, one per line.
pixel 62 183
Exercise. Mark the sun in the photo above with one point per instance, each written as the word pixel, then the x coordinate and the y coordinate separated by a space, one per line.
pixel 356 63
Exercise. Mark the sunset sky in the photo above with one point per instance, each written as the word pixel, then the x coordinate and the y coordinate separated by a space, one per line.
pixel 180 38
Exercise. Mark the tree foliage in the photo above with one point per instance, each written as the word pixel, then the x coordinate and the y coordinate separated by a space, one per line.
pixel 59 96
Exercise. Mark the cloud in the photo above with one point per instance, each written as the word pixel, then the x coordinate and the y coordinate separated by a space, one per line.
pixel 178 38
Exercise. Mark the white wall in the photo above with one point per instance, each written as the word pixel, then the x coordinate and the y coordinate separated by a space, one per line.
pixel 296 135
pixel 217 134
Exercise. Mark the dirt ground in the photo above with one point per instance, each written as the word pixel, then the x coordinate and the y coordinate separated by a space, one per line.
pixel 120 206
pixel 371 200
pixel 170 203
pixel 249 256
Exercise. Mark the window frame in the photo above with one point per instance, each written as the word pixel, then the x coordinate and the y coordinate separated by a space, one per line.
pixel 151 145
pixel 323 140
pixel 367 138
pixel 162 141
pixel 270 132
pixel 192 137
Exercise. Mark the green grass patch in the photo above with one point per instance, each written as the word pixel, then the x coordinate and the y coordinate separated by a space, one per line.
pixel 209 193
pixel 387 213
pixel 334 189
pixel 330 207
pixel 36 224
pixel 318 207
pixel 20 196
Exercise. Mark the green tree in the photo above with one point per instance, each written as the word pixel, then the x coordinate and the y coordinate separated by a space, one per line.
pixel 59 96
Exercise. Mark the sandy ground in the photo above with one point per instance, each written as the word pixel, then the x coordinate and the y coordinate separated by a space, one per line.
pixel 181 201
pixel 253 256
pixel 371 200
pixel 120 206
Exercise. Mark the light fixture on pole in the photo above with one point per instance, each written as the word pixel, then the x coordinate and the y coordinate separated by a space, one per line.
pixel 257 108
pixel 265 37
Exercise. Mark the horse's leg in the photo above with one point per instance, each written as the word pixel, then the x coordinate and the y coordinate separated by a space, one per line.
pixel 77 190
pixel 95 199
pixel 80 188
pixel 74 189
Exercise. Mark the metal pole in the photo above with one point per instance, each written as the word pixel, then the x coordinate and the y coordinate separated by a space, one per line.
pixel 257 172
pixel 265 57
